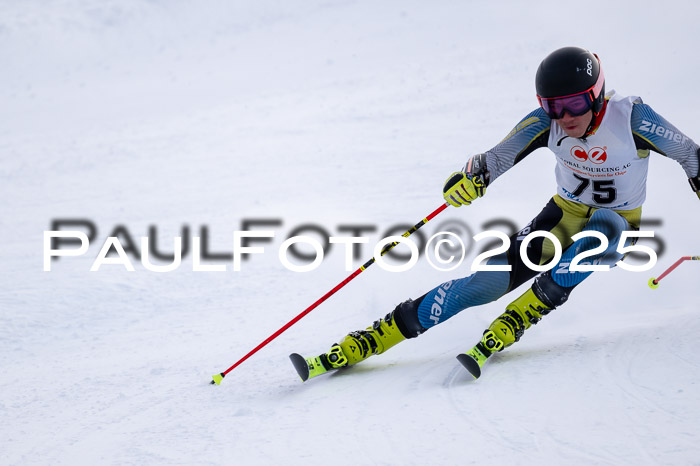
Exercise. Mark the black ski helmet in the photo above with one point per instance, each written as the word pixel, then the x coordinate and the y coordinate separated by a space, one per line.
pixel 568 71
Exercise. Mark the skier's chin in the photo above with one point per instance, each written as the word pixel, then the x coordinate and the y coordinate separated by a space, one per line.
pixel 575 127
pixel 574 132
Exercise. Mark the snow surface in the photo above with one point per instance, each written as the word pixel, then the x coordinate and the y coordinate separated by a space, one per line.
pixel 140 113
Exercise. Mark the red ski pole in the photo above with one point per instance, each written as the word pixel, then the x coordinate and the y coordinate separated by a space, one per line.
pixel 219 377
pixel 654 282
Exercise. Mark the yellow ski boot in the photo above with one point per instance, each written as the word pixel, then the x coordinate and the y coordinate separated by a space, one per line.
pixel 353 348
pixel 519 315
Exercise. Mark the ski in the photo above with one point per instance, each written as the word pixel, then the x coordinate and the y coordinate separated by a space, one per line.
pixel 474 359
pixel 308 368
pixel 471 363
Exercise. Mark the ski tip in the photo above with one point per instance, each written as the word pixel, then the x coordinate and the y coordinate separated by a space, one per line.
pixel 470 364
pixel 217 379
pixel 300 365
pixel 653 284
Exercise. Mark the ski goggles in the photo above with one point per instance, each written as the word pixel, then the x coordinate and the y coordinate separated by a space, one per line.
pixel 574 104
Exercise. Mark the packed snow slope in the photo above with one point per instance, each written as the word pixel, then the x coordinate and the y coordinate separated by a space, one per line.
pixel 193 117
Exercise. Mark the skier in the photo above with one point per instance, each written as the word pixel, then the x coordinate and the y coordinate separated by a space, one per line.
pixel 601 143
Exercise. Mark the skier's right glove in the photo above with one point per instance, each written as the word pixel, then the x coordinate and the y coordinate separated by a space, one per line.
pixel 461 188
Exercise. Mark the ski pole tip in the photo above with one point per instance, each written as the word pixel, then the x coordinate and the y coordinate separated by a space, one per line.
pixel 217 379
pixel 653 284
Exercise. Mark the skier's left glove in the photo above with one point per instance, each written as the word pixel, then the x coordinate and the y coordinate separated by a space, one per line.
pixel 695 184
pixel 461 188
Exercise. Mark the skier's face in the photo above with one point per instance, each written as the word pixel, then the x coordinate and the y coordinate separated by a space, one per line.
pixel 575 126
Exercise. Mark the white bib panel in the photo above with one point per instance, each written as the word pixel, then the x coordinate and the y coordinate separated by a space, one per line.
pixel 604 169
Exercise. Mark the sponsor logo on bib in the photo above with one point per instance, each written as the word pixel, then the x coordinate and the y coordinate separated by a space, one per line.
pixel 596 155
pixel 579 153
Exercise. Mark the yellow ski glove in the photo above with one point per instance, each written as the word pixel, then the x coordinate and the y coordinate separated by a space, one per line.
pixel 461 188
